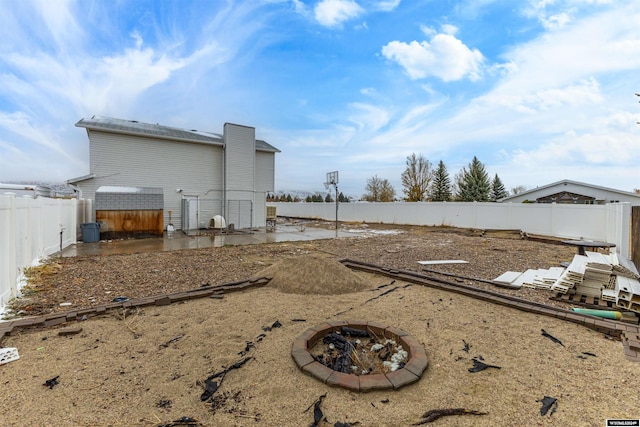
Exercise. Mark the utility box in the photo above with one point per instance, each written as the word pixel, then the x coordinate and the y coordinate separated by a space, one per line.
pixel 271 218
pixel 271 212
pixel 90 232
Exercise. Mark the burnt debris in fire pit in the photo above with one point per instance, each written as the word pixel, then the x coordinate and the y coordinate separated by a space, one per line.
pixel 356 351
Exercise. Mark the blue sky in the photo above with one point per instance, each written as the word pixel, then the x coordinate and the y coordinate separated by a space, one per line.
pixel 538 90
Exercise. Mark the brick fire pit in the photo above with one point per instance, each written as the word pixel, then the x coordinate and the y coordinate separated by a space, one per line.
pixel 416 364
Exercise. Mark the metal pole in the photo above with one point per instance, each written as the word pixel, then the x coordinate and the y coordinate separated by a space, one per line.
pixel 336 208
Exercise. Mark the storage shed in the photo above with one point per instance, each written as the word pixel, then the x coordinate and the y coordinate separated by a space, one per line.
pixel 129 211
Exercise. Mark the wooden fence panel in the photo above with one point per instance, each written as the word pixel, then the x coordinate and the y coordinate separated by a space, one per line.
pixel 130 223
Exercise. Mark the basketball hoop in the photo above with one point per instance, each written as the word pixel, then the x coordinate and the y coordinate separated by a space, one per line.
pixel 332 178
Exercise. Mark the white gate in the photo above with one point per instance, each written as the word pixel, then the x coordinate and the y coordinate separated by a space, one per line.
pixel 189 213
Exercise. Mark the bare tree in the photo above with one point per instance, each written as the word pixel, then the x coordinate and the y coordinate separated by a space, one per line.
pixel 379 190
pixel 416 178
pixel 519 189
pixel 388 193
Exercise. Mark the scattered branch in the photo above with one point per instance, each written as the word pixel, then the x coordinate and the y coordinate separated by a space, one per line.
pixel 434 414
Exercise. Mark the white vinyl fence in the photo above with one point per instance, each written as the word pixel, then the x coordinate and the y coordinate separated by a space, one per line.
pixel 609 223
pixel 30 230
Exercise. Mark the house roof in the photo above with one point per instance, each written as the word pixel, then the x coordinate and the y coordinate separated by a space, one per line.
pixel 117 189
pixel 568 181
pixel 81 178
pixel 134 127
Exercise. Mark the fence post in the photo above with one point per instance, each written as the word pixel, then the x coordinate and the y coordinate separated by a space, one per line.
pixel 13 268
pixel 635 235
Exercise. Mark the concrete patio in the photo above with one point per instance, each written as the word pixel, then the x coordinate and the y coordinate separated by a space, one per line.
pixel 177 240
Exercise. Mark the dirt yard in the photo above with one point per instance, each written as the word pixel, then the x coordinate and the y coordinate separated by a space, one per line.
pixel 146 367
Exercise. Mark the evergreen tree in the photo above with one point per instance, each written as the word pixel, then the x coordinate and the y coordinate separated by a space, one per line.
pixel 441 185
pixel 342 198
pixel 289 198
pixel 473 183
pixel 328 199
pixel 308 199
pixel 416 178
pixel 497 189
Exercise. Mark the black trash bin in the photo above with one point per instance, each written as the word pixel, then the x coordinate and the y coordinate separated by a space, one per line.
pixel 90 232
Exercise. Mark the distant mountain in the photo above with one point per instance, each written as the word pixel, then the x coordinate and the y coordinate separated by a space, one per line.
pixel 297 193
pixel 302 195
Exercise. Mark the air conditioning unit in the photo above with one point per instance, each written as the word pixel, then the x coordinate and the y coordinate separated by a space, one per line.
pixel 217 222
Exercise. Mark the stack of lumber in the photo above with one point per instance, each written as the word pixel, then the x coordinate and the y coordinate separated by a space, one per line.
pixel 598 267
pixel 572 276
pixel 587 275
pixel 544 279
pixel 532 278
pixel 606 276
pixel 628 293
pixel 597 274
pixel 609 292
pixel 623 267
pixel 609 277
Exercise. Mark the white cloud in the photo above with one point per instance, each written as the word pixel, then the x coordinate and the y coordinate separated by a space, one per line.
pixel 581 93
pixel 384 5
pixel 369 118
pixel 557 21
pixel 428 31
pixel 603 43
pixel 449 29
pixel 18 123
pixel 332 13
pixel 555 14
pixel 299 6
pixel 318 142
pixel 572 148
pixel 56 68
pixel 444 57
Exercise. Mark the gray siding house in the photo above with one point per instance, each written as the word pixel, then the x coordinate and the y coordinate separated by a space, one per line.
pixel 201 174
pixel 574 192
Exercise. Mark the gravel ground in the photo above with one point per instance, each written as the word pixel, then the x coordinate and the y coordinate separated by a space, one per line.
pixel 147 366
pixel 87 281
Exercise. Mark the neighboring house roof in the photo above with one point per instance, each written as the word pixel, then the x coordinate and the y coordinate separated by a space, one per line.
pixel 133 127
pixel 81 178
pixel 561 185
